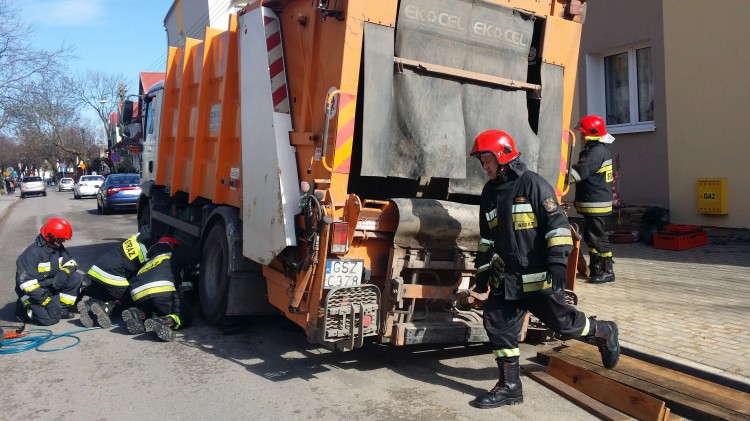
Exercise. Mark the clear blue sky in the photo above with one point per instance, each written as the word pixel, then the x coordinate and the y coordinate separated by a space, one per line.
pixel 111 36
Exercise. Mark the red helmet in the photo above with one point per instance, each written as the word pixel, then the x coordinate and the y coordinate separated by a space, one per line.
pixel 497 143
pixel 592 126
pixel 173 242
pixel 56 230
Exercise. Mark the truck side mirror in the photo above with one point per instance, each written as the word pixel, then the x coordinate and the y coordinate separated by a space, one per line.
pixel 127 112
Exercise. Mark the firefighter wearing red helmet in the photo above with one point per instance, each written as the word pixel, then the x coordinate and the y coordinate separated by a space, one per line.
pixel 158 307
pixel 525 240
pixel 46 281
pixel 592 176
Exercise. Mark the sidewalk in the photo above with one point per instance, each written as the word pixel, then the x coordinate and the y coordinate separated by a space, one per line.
pixel 689 308
pixel 6 201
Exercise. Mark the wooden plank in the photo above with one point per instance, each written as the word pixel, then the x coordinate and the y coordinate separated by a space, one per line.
pixel 588 403
pixel 683 404
pixel 682 383
pixel 617 395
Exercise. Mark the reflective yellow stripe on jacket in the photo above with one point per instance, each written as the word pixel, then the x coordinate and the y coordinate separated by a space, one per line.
pixel 107 278
pixel 523 217
pixel 29 286
pixel 151 288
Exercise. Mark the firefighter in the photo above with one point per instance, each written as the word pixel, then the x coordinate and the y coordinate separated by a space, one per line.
pixel 110 278
pixel 158 307
pixel 523 250
pixel 593 199
pixel 47 284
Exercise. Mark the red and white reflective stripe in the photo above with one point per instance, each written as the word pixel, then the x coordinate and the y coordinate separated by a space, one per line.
pixel 615 196
pixel 276 68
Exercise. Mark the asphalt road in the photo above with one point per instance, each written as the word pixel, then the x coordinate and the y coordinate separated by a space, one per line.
pixel 266 371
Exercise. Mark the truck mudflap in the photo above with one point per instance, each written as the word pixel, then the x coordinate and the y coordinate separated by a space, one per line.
pixel 349 315
pixel 430 224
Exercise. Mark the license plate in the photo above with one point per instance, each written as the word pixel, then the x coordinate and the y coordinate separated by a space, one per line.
pixel 343 273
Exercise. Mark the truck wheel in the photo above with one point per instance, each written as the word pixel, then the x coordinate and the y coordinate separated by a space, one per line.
pixel 213 283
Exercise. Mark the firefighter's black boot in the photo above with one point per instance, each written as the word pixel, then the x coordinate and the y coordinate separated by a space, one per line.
pixel 605 338
pixel 508 390
pixel 84 309
pixel 606 273
pixel 102 311
pixel 133 318
pixel 596 267
pixel 162 326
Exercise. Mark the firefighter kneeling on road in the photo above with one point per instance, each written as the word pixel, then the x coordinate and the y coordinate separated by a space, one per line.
pixel 525 240
pixel 154 293
pixel 110 279
pixel 47 284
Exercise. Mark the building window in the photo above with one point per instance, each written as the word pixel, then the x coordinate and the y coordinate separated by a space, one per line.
pixel 621 89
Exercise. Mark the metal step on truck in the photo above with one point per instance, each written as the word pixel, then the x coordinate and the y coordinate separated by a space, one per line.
pixel 316 153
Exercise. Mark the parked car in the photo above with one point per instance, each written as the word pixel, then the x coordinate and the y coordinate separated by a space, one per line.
pixel 87 185
pixel 119 191
pixel 32 185
pixel 66 184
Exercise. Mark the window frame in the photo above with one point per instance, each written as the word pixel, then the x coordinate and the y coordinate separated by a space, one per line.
pixel 596 91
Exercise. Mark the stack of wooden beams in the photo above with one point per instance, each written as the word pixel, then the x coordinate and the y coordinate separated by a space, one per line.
pixel 634 388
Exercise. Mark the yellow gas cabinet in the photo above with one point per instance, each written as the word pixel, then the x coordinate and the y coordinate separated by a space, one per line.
pixel 712 196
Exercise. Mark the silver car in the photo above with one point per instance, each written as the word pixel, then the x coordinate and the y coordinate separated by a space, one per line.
pixel 32 185
pixel 87 185
pixel 66 184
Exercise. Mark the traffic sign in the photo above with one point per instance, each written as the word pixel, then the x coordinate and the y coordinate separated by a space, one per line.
pixel 115 157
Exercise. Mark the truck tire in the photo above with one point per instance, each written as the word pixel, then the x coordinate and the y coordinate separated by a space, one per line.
pixel 144 220
pixel 213 283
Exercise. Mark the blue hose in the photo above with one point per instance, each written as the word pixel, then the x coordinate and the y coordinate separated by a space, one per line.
pixel 39 337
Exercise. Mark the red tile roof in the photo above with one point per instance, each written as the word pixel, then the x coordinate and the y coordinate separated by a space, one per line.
pixel 148 79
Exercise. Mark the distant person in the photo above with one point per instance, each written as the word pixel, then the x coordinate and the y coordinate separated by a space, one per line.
pixel 110 279
pixel 47 284
pixel 158 304
pixel 592 176
pixel 525 240
pixel 8 189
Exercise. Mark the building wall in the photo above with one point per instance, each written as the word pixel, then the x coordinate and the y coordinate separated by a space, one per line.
pixel 643 172
pixel 707 60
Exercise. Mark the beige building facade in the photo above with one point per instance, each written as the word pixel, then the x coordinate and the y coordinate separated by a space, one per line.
pixel 671 79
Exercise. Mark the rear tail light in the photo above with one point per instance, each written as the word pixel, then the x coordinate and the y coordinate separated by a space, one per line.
pixel 113 190
pixel 340 238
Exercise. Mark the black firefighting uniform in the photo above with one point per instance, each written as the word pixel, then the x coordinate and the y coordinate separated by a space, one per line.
pixel 110 275
pixel 153 290
pixel 593 177
pixel 46 282
pixel 521 221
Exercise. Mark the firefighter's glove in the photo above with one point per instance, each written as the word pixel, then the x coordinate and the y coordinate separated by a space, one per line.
pixel 492 273
pixel 556 274
pixel 497 267
pixel 60 280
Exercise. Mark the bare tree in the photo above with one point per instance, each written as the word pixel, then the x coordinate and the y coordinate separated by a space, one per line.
pixel 21 64
pixel 48 122
pixel 101 93
pixel 9 153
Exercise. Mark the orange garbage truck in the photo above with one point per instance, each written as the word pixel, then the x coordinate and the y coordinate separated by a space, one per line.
pixel 316 154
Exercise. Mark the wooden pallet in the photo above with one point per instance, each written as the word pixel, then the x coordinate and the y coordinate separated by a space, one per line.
pixel 578 364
